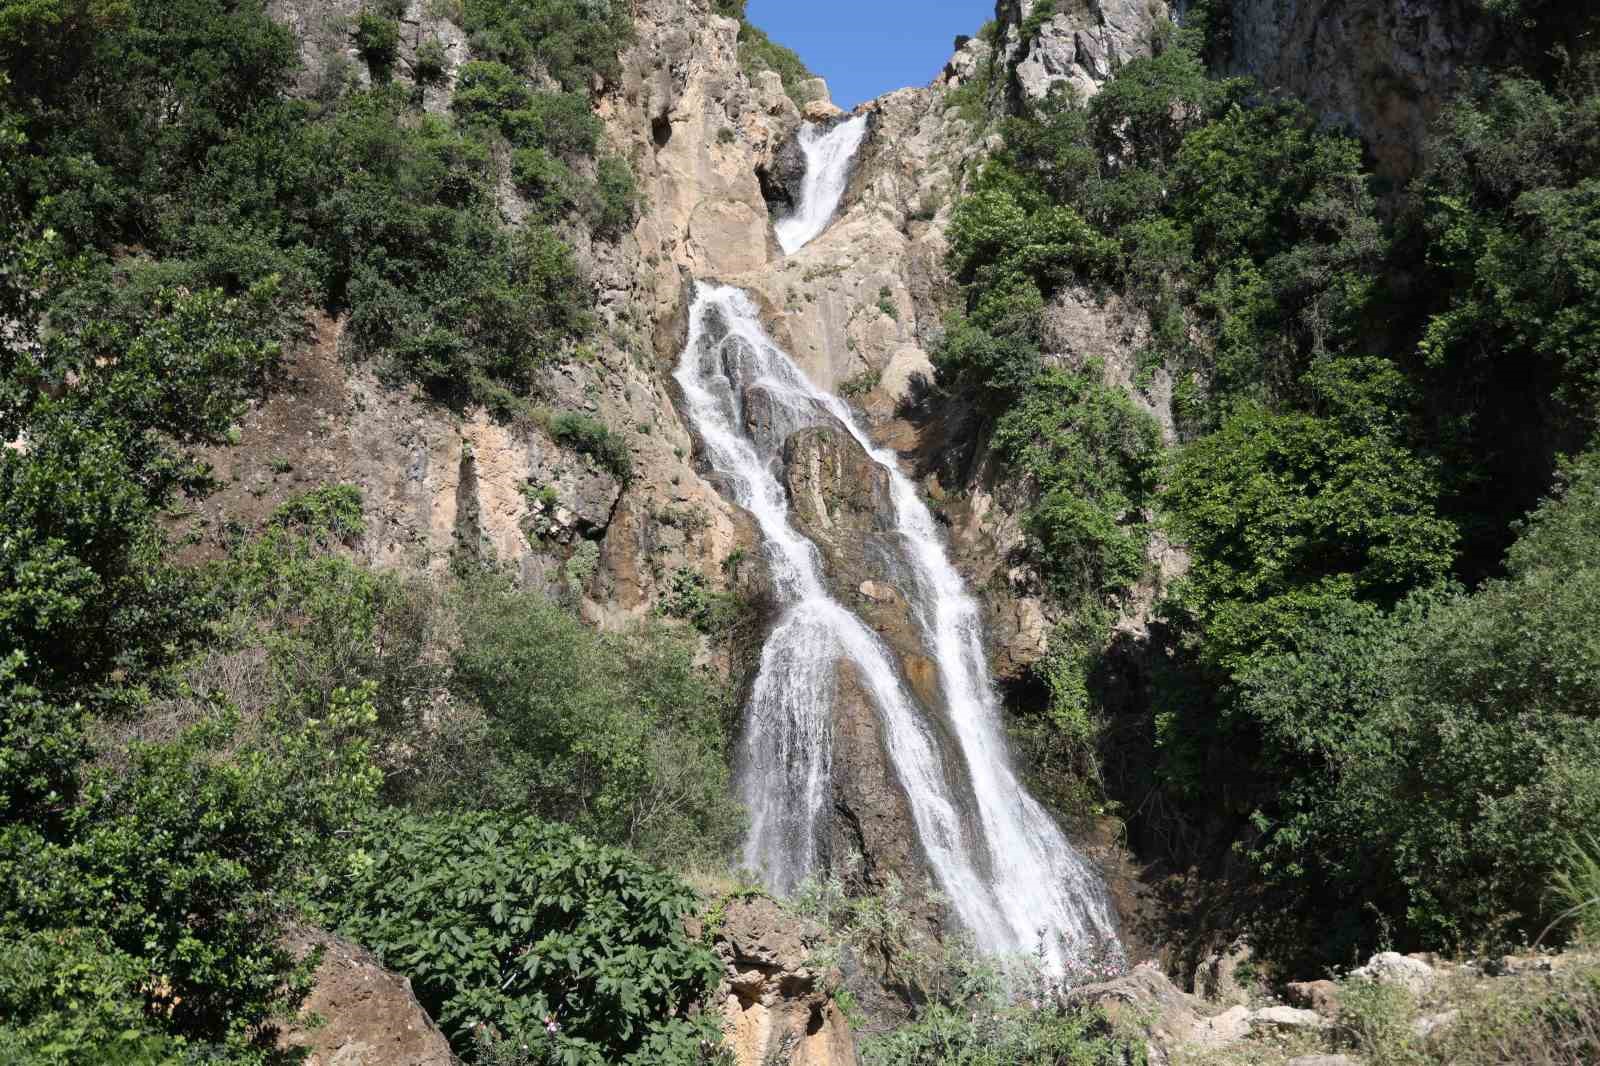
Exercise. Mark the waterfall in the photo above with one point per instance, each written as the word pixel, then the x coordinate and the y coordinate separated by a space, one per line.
pixel 828 153
pixel 1010 874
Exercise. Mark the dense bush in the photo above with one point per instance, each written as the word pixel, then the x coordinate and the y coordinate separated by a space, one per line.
pixel 620 735
pixel 527 929
pixel 1446 754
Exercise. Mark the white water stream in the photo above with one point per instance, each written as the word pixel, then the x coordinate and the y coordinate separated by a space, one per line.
pixel 828 155
pixel 1010 874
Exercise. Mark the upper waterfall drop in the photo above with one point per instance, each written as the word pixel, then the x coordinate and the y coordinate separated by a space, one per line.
pixel 1011 876
pixel 829 154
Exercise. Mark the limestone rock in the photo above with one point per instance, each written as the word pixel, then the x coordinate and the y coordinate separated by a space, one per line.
pixel 1080 45
pixel 1146 1001
pixel 776 1010
pixel 822 111
pixel 370 1016
pixel 1230 1026
pixel 1393 968
pixel 1286 1018
pixel 1322 1060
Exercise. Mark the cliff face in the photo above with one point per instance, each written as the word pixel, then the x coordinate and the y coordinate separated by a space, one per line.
pixel 1384 68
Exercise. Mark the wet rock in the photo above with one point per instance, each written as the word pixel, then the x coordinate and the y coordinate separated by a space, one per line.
pixel 370 1017
pixel 872 831
pixel 777 1010
pixel 822 111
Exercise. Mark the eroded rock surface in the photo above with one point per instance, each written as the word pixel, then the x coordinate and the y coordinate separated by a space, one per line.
pixel 777 1008
pixel 370 1017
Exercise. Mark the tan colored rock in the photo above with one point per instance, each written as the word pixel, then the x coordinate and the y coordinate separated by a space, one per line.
pixel 777 1011
pixel 370 1017
pixel 1322 1060
pixel 822 111
pixel 1320 996
pixel 1145 1001
pixel 1288 1019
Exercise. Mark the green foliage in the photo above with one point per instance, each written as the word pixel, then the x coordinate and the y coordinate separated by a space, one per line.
pixel 1092 457
pixel 620 735
pixel 593 438
pixel 758 52
pixel 1447 753
pixel 174 866
pixel 69 1001
pixel 691 599
pixel 532 931
pixel 1577 886
pixel 377 38
pixel 616 202
pixel 574 41
pixel 330 513
pixel 1287 514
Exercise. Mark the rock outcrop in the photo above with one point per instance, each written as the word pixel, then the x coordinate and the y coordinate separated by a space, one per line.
pixel 1079 43
pixel 777 1008
pixel 367 1015
pixel 1384 68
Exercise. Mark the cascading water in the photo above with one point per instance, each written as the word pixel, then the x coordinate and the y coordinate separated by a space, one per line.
pixel 1011 876
pixel 828 153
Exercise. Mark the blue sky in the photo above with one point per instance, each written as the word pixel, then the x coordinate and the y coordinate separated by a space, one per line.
pixel 867 47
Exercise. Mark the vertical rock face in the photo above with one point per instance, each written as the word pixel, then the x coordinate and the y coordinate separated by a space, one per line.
pixel 1382 67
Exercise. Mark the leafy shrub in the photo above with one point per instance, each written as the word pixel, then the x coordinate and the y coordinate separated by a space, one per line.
pixel 574 41
pixel 1442 758
pixel 330 513
pixel 533 932
pixel 1091 455
pixel 620 735
pixel 593 438
pixel 378 40
pixel 616 197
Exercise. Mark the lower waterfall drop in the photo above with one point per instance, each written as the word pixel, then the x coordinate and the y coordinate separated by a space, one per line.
pixel 1010 874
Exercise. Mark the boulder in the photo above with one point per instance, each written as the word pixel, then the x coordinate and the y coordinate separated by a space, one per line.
pixel 1286 1018
pixel 1231 1025
pixel 369 1015
pixel 1393 968
pixel 777 1010
pixel 1144 1000
pixel 1320 996
pixel 1424 1028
